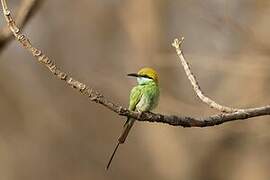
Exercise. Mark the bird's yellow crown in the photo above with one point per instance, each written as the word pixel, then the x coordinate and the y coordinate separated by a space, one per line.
pixel 150 73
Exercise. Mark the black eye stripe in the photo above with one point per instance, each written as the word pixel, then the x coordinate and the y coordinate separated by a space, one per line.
pixel 146 76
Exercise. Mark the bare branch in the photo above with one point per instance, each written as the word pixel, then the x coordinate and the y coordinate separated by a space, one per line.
pixel 93 95
pixel 177 44
pixel 25 11
pixel 205 121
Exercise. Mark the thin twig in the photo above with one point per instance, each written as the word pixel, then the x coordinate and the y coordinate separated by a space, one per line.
pixel 177 44
pixel 97 97
pixel 25 11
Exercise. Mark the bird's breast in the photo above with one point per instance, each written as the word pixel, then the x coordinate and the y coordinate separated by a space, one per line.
pixel 149 99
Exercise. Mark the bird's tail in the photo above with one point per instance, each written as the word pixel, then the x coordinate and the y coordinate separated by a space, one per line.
pixel 127 126
pixel 110 161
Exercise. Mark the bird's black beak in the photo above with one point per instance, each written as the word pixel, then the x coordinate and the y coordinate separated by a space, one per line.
pixel 133 75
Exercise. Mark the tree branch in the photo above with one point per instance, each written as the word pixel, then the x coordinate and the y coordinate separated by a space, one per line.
pixel 93 95
pixel 177 44
pixel 25 11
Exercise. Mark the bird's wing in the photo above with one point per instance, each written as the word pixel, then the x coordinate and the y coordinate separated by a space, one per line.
pixel 135 96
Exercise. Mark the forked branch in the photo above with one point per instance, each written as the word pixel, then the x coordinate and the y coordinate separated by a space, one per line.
pixel 177 44
pixel 93 95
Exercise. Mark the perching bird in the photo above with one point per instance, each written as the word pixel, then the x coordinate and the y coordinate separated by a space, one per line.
pixel 143 97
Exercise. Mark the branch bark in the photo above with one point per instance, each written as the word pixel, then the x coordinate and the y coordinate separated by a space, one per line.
pixel 95 96
pixel 26 9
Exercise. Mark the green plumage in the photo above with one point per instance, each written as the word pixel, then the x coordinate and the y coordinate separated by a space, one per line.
pixel 143 97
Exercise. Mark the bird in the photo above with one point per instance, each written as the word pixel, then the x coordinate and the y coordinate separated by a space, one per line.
pixel 143 97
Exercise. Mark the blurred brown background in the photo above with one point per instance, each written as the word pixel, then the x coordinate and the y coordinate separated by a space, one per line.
pixel 49 131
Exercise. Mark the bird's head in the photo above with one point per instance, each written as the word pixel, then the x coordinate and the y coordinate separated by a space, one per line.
pixel 146 75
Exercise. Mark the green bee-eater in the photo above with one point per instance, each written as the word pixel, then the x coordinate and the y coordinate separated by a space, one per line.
pixel 143 97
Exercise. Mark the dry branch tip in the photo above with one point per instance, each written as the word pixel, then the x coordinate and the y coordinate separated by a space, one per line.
pixel 178 43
